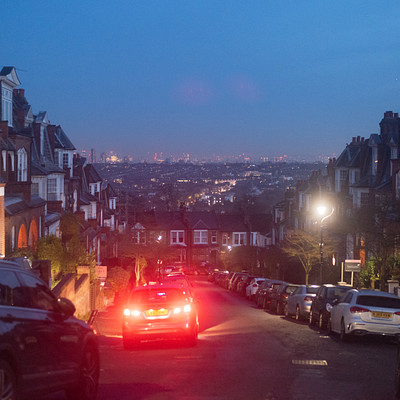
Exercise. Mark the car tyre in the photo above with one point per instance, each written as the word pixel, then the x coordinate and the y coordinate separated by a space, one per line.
pixel 87 386
pixel 298 314
pixel 321 324
pixel 286 312
pixel 397 371
pixel 329 326
pixel 311 319
pixel 9 382
pixel 343 335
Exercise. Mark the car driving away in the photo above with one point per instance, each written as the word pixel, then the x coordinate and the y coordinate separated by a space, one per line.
pixel 160 311
pixel 366 312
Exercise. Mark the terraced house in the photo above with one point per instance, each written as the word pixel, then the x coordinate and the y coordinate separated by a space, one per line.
pixel 42 178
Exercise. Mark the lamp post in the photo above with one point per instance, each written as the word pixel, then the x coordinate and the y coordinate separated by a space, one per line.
pixel 322 211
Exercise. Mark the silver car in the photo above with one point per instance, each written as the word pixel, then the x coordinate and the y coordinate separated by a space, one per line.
pixel 299 302
pixel 364 312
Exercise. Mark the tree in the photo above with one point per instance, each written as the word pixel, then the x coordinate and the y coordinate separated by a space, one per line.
pixel 305 248
pixel 51 248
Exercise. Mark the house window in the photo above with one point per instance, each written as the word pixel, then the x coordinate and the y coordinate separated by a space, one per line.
pixel 213 237
pixel 225 239
pixel 35 189
pixel 343 175
pixel 6 104
pixel 200 237
pixel 65 161
pixel 22 174
pixel 139 237
pixel 239 238
pixel 364 199
pixel 52 189
pixel 177 237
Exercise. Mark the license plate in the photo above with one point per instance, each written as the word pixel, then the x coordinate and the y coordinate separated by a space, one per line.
pixel 157 313
pixel 379 314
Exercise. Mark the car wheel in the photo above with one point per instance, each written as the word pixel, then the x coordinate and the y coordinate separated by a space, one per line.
pixel 89 376
pixel 343 334
pixel 397 372
pixel 286 312
pixel 329 326
pixel 321 324
pixel 9 382
pixel 311 319
pixel 298 314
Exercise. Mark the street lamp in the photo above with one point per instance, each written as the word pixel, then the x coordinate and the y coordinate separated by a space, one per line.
pixel 322 212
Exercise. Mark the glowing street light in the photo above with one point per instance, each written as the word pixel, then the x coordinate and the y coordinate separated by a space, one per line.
pixel 322 212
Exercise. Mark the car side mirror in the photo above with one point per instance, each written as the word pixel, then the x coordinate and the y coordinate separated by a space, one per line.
pixel 66 306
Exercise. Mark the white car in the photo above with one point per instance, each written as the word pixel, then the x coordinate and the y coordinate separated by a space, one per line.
pixel 252 288
pixel 363 312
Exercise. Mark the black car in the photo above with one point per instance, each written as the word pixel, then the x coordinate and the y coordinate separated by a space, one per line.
pixel 320 310
pixel 264 295
pixel 43 347
pixel 278 297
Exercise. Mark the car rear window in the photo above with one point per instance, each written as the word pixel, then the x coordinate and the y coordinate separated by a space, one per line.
pixel 378 301
pixel 312 290
pixel 161 295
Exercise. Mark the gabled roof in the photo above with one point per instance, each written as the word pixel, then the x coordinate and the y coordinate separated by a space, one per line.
pixel 92 176
pixel 62 141
pixel 9 76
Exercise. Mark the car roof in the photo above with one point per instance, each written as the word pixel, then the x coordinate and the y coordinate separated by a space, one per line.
pixel 374 293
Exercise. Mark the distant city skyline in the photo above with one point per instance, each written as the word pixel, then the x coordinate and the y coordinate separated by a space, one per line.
pixel 113 156
pixel 206 78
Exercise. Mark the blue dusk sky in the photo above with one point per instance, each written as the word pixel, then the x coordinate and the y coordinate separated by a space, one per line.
pixel 260 78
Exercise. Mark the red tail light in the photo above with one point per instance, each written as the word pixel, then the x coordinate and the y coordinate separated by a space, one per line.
pixel 285 296
pixel 254 285
pixel 397 312
pixel 356 309
pixel 308 298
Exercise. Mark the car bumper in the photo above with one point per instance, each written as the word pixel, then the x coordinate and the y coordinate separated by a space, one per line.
pixel 358 328
pixel 159 329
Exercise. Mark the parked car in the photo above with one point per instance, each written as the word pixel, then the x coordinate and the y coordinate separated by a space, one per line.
pixel 260 291
pixel 163 311
pixel 366 312
pixel 321 305
pixel 43 347
pixel 243 283
pixel 253 286
pixel 299 302
pixel 397 371
pixel 279 296
pixel 235 280
pixel 266 295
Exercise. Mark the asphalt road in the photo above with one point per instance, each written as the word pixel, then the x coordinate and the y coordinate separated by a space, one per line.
pixel 243 353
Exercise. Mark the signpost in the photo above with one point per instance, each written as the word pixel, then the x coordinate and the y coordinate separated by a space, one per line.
pixel 351 266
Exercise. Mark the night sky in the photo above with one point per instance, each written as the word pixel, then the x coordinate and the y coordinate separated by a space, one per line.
pixel 260 78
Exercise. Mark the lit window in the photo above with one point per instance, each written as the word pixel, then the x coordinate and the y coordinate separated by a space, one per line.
pixel 177 237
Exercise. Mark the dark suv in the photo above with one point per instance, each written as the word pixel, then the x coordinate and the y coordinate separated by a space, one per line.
pixel 320 310
pixel 43 347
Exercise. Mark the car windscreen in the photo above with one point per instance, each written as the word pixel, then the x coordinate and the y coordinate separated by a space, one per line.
pixel 163 295
pixel 378 301
pixel 337 292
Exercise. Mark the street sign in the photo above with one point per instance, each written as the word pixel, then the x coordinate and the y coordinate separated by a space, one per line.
pixel 352 265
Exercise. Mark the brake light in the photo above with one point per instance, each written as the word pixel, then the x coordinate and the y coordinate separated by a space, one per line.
pixel 131 313
pixel 356 309
pixel 285 296
pixel 308 298
pixel 186 308
pixel 255 285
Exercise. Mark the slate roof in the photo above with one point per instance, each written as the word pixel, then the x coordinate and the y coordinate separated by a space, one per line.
pixel 62 141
